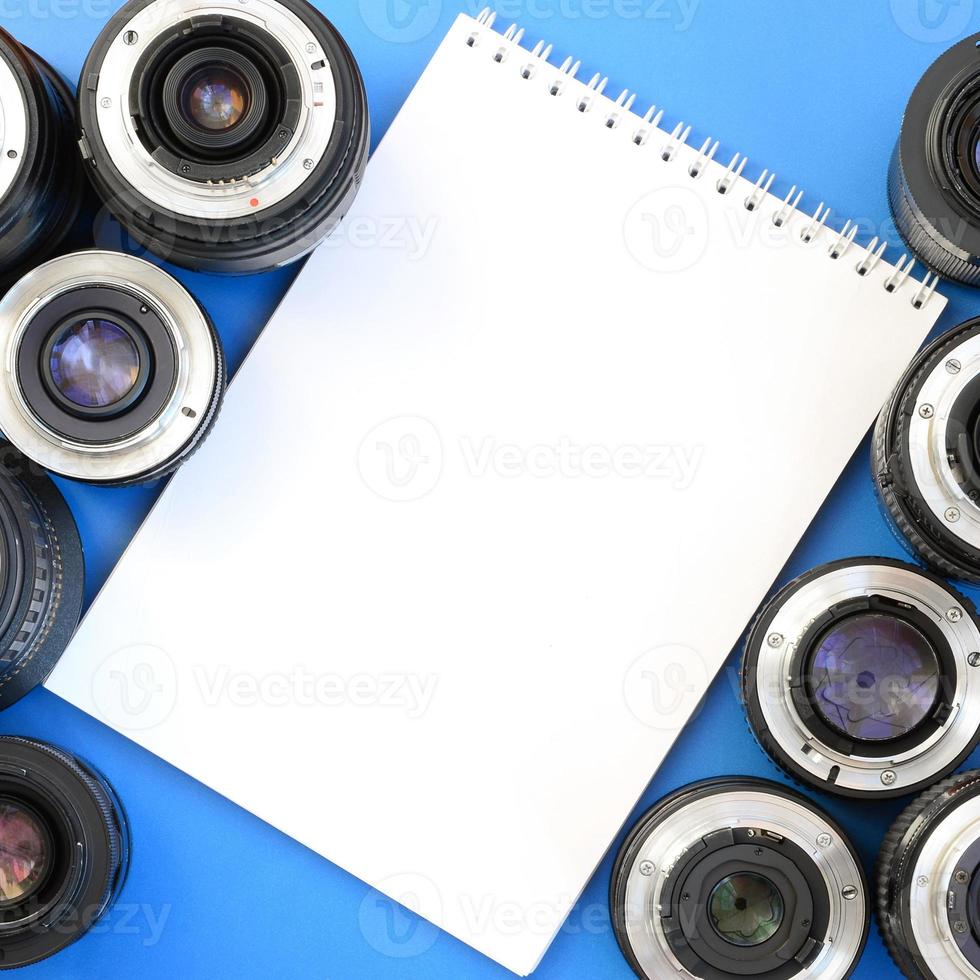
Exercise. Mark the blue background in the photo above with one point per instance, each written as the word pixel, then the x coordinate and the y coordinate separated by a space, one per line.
pixel 812 89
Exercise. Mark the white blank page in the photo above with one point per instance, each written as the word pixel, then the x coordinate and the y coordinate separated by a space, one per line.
pixel 431 597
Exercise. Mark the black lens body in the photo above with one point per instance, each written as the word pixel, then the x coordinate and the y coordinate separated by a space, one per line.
pixel 80 853
pixel 934 179
pixel 215 100
pixel 899 880
pixel 38 211
pixel 930 538
pixel 41 576
pixel 770 924
pixel 870 677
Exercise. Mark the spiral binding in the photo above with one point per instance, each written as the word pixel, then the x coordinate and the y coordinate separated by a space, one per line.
pixel 620 111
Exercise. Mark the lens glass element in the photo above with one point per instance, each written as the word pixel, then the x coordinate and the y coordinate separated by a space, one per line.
pixel 215 98
pixel 746 909
pixel 874 677
pixel 24 857
pixel 94 363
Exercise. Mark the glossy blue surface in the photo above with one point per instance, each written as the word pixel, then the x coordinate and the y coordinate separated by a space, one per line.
pixel 812 89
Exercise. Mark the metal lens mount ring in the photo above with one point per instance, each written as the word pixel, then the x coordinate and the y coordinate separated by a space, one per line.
pixel 903 675
pixel 706 834
pixel 231 213
pixel 926 454
pixel 178 403
pixel 41 181
pixel 928 876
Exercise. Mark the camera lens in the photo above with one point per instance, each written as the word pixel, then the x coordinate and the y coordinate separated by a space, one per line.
pixel 41 180
pixel 738 878
pixel 63 850
pixel 229 142
pixel 934 179
pixel 857 678
pixel 117 373
pixel 928 877
pixel 41 576
pixel 926 454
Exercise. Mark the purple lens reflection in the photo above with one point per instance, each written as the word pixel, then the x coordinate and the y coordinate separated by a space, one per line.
pixel 23 853
pixel 874 677
pixel 95 363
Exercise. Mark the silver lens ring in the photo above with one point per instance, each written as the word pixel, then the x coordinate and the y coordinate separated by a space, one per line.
pixel 861 678
pixel 258 186
pixel 13 127
pixel 672 856
pixel 157 430
pixel 928 875
pixel 170 191
pixel 926 454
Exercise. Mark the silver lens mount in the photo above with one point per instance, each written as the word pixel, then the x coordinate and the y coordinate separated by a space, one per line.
pixel 928 875
pixel 926 454
pixel 225 136
pixel 181 368
pixel 861 678
pixel 683 848
pixel 13 128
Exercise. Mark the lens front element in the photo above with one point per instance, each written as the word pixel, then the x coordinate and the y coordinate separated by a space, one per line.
pixel 94 363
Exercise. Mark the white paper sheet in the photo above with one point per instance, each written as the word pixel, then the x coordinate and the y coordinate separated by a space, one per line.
pixel 431 598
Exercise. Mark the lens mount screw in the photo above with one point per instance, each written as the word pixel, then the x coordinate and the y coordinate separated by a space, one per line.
pixel 130 37
pixel 888 777
pixel 926 411
pixel 973 660
pixel 646 868
pixel 961 877
pixel 308 164
pixel 959 926
pixel 849 892
pixel 775 640
pixel 106 103
pixel 954 615
pixel 953 366
pixel 952 514
pixel 922 881
pixel 310 47
pixel 824 840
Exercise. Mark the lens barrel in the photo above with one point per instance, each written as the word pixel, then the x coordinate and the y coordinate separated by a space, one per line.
pixel 926 454
pixel 928 883
pixel 41 176
pixel 64 850
pixel 882 698
pixel 738 877
pixel 224 139
pixel 41 576
pixel 934 178
pixel 115 373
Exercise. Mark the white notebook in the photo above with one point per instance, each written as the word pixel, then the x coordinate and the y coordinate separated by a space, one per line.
pixel 497 491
